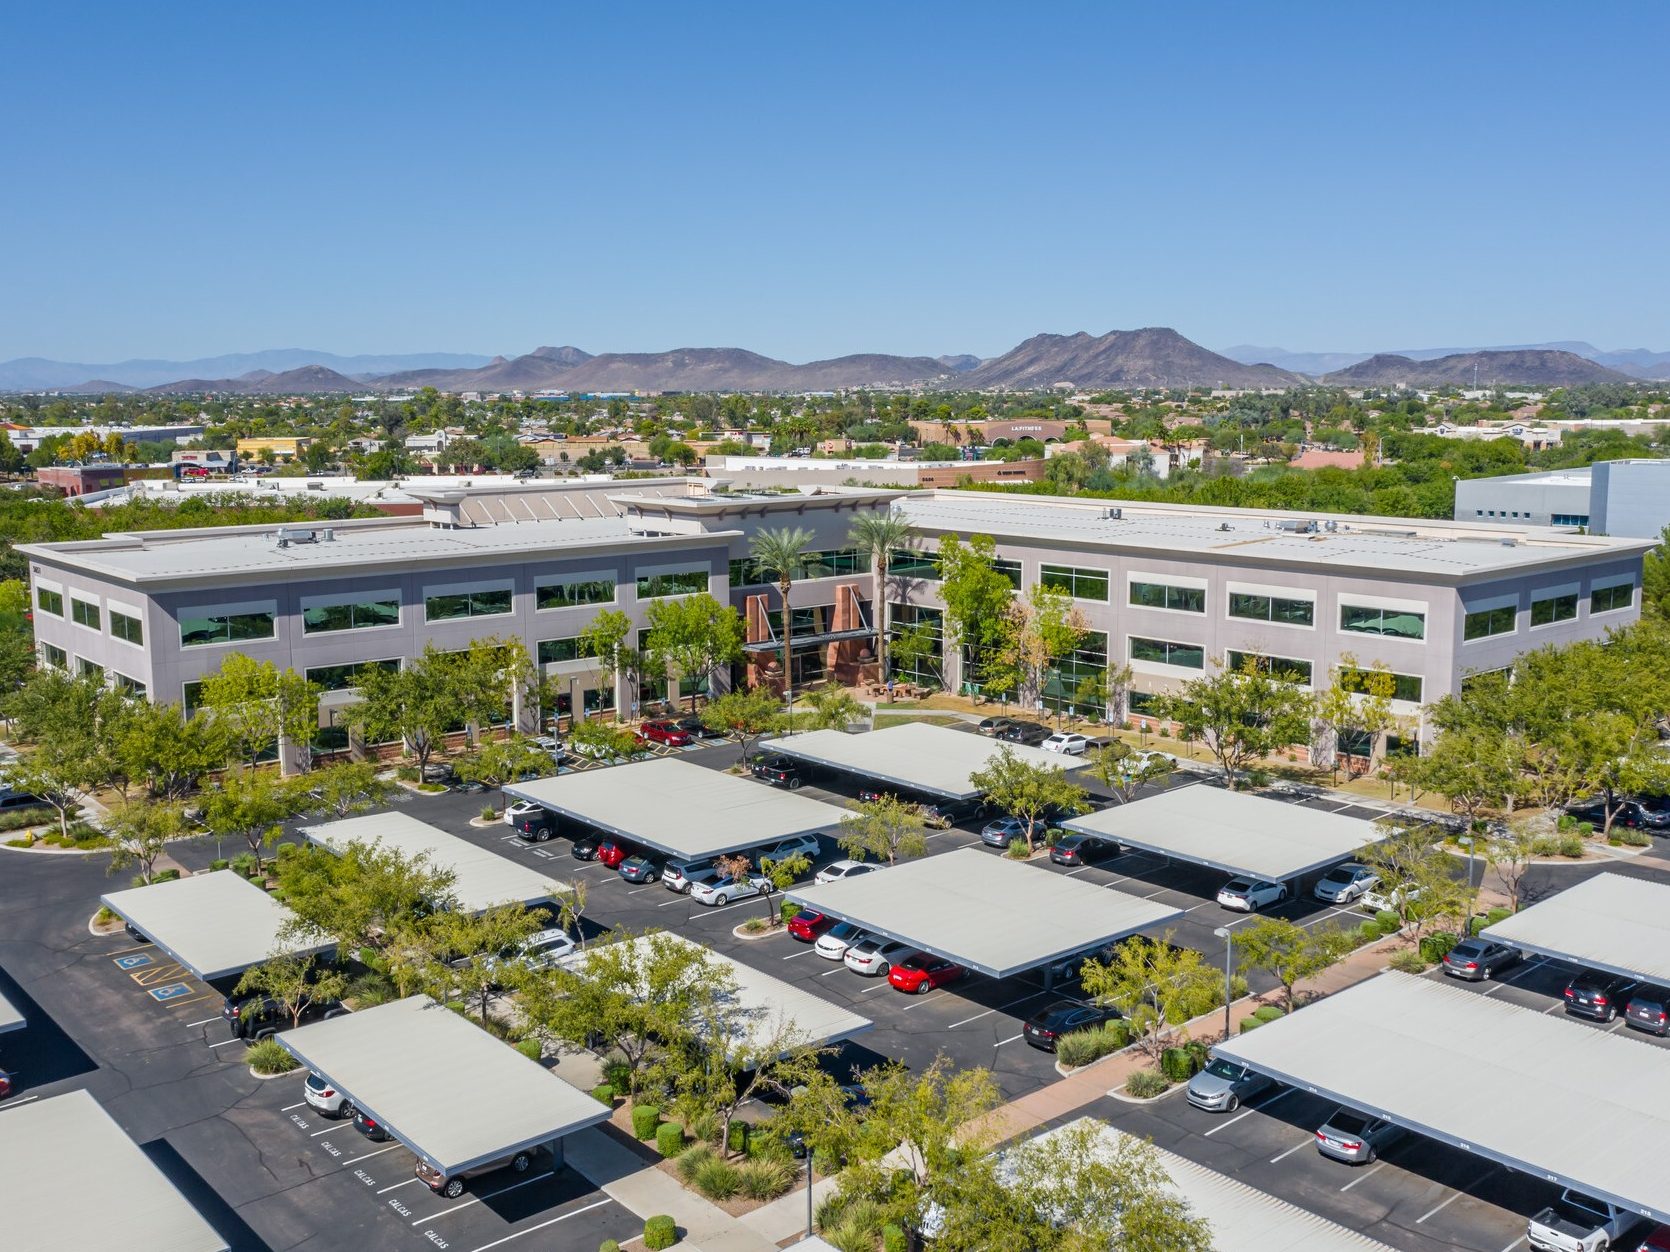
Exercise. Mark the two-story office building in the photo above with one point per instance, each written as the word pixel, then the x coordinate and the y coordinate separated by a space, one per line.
pixel 1171 591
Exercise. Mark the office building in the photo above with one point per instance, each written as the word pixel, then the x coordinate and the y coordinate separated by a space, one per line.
pixel 1626 499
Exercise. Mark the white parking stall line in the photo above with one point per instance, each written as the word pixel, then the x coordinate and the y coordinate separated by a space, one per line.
pixel 398 1185
pixel 734 904
pixel 288 1107
pixel 1559 1006
pixel 595 1204
pixel 1229 1123
pixel 1204 905
pixel 877 987
pixel 224 1042
pixel 673 901
pixel 204 1022
pixel 1303 1144
pixel 1251 1109
pixel 967 1020
pixel 325 1131
pixel 1516 1243
pixel 1074 873
pixel 651 887
pixel 1441 1205
pixel 356 1160
pixel 1010 1039
pixel 918 1001
pixel 478 1199
pixel 792 955
pixel 1370 1172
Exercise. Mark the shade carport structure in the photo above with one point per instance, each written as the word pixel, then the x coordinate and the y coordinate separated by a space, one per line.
pixel 917 756
pixel 1231 831
pixel 990 914
pixel 482 878
pixel 11 1018
pixel 74 1180
pixel 1609 922
pixel 448 1090
pixel 216 924
pixel 678 809
pixel 1579 1107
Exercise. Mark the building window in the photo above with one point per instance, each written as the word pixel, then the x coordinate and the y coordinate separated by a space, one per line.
pixel 1288 669
pixel 1568 519
pixel 446 608
pixel 84 613
pixel 1471 682
pixel 357 616
pixel 125 627
pixel 924 664
pixel 1077 682
pixel 128 686
pixel 746 572
pixel 1081 584
pixel 1405 687
pixel 1554 609
pixel 1607 599
pixel 1162 652
pixel 49 601
pixel 676 583
pixel 1396 623
pixel 88 669
pixel 1278 609
pixel 55 656
pixel 1010 570
pixel 570 593
pixel 1141 703
pixel 191 697
pixel 554 650
pixel 1487 622
pixel 913 564
pixel 344 677
pixel 598 699
pixel 209 627
pixel 1165 596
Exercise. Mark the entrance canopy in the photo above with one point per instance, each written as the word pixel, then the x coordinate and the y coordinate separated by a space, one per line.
pixel 1609 922
pixel 993 915
pixel 1233 832
pixel 1576 1106
pixel 761 1009
pixel 679 809
pixel 448 1090
pixel 75 1180
pixel 482 879
pixel 10 1017
pixel 918 756
pixel 216 924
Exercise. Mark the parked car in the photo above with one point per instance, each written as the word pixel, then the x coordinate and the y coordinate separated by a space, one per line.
pixel 1355 1138
pixel 518 809
pixel 1654 811
pixel 1224 1084
pixel 668 734
pixel 1580 1223
pixel 922 973
pixel 778 770
pixel 801 845
pixel 585 847
pixel 1003 832
pixel 723 890
pixel 943 814
pixel 1248 895
pixel 261 1017
pixel 452 1185
pixel 544 948
pixel 995 725
pixel 808 924
pixel 1626 814
pixel 697 729
pixel 1029 734
pixel 1658 1240
pixel 536 824
pixel 1076 849
pixel 832 945
pixel 1345 883
pixel 838 871
pixel 324 1096
pixel 1377 900
pixel 1476 960
pixel 552 747
pixel 6 1085
pixel 370 1127
pixel 640 868
pixel 678 875
pixel 874 955
pixel 612 852
pixel 1045 1028
pixel 1649 1010
pixel 1066 742
pixel 1598 996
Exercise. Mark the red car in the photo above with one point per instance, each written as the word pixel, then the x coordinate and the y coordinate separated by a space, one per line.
pixel 612 853
pixel 808 924
pixel 669 733
pixel 922 973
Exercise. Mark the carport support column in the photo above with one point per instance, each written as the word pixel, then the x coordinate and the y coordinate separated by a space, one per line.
pixel 556 1146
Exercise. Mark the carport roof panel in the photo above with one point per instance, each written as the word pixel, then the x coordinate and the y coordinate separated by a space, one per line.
pixel 448 1090
pixel 215 924
pixel 113 1196
pixel 933 759
pixel 483 877
pixel 1610 922
pixel 680 809
pixel 1580 1107
pixel 11 1018
pixel 1233 832
pixel 763 1005
pixel 987 912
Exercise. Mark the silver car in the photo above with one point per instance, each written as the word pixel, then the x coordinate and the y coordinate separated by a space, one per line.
pixel 875 956
pixel 1223 1085
pixel 832 945
pixel 1345 883
pixel 1355 1138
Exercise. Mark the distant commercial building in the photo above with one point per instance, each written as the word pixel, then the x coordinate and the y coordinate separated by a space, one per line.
pixel 1626 499
pixel 28 438
pixel 281 448
pixel 801 471
pixel 78 480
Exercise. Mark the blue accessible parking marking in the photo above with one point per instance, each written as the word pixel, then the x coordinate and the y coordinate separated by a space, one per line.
pixel 132 962
pixel 171 992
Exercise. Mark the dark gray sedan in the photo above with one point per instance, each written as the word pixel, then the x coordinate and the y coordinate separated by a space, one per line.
pixel 640 869
pixel 1355 1138
pixel 1479 959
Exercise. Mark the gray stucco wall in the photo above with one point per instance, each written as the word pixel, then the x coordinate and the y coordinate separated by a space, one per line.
pixel 1631 498
pixel 1517 498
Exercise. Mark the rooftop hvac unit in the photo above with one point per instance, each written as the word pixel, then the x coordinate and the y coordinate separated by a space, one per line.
pixel 1112 515
pixel 1297 526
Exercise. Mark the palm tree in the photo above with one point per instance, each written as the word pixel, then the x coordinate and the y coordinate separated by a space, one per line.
pixel 878 534
pixel 782 554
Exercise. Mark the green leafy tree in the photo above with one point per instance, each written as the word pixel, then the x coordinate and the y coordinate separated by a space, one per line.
pixel 1655 579
pixel 604 643
pixel 604 741
pixel 501 761
pixel 346 788
pixel 781 554
pixel 1476 768
pixel 1287 952
pixel 17 637
pixel 362 895
pixel 884 829
pixel 1355 702
pixel 1045 629
pixel 832 707
pixel 414 704
pixel 782 873
pixel 296 981
pixel 878 534
pixel 252 805
pixel 139 834
pixel 1156 985
pixel 55 772
pixel 693 636
pixel 252 705
pixel 977 598
pixel 1241 715
pixel 729 1058
pixel 155 744
pixel 482 951
pixel 744 713
pixel 1028 792
pixel 1417 878
pixel 1125 771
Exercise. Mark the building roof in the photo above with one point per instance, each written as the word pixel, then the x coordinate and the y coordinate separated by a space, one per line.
pixel 483 877
pixel 1429 549
pixel 1232 831
pixel 455 1095
pixel 1580 1107
pixel 680 809
pixel 215 924
pixel 1242 1218
pixel 1609 922
pixel 763 1007
pixel 933 760
pixel 112 1195
pixel 994 915
pixel 11 1017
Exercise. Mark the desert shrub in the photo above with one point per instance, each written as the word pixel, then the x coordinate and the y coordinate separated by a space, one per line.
pixel 489 813
pixel 669 1138
pixel 608 1245
pixel 1145 1084
pixel 269 1057
pixel 369 990
pixel 1249 1024
pixel 244 863
pixel 788 909
pixel 1545 845
pixel 893 1238
pixel 1387 922
pixel 1572 845
pixel 692 1158
pixel 1269 1012
pixel 219 863
pixel 1631 838
pixel 1497 914
pixel 18 819
pixel 716 1178
pixel 1368 932
pixel 737 1139
pixel 529 1048
pixel 755 925
pixel 703 1127
pixel 1017 851
pixel 604 1093
pixel 660 1231
pixel 764 1178
pixel 645 1118
pixel 104 915
pixel 406 773
pixel 1410 962
pixel 1080 1047
pixel 618 1074
pixel 1435 945
pixel 1177 1065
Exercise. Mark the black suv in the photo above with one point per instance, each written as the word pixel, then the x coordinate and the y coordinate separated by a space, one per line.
pixel 1030 734
pixel 1077 849
pixel 1649 1010
pixel 938 814
pixel 261 1017
pixel 778 770
pixel 536 827
pixel 1598 996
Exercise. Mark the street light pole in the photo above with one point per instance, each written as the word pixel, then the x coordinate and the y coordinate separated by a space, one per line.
pixel 808 1191
pixel 1472 845
pixel 1222 932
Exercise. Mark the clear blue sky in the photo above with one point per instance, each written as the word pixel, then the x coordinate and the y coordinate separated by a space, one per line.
pixel 809 180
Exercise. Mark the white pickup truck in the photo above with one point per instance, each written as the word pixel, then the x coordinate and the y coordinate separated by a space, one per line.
pixel 1579 1223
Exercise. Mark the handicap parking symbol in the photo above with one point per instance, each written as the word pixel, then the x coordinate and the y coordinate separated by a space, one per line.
pixel 172 991
pixel 135 961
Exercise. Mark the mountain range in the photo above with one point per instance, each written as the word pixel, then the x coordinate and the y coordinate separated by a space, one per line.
pixel 1635 362
pixel 1537 367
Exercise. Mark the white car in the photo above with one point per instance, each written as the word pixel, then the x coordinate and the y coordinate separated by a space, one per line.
pixel 552 748
pixel 1248 895
pixel 874 956
pixel 1345 883
pixel 801 845
pixel 522 808
pixel 724 890
pixel 543 949
pixel 832 945
pixel 836 871
pixel 1392 901
pixel 324 1095
pixel 1066 742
